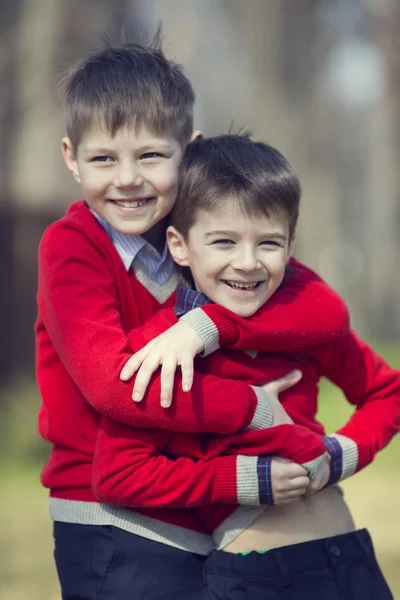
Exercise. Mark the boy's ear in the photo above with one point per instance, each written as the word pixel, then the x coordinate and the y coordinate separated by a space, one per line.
pixel 177 246
pixel 70 158
pixel 196 135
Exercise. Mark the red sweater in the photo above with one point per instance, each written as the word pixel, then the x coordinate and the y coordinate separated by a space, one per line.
pixel 131 468
pixel 89 306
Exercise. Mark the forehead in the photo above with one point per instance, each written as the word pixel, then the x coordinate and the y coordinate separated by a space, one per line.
pixel 228 214
pixel 129 135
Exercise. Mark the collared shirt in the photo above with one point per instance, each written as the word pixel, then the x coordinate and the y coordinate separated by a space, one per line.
pixel 187 299
pixel 158 267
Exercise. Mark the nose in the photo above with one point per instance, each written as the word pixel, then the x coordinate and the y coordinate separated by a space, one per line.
pixel 247 261
pixel 128 176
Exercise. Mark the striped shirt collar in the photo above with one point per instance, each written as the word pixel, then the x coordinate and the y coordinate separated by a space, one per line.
pixel 131 246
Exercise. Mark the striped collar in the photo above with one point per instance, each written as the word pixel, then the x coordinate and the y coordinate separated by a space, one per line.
pixel 130 246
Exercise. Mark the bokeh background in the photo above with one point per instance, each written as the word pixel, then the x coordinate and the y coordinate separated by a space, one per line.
pixel 320 79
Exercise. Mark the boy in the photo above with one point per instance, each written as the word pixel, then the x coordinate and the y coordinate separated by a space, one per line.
pixel 233 225
pixel 103 271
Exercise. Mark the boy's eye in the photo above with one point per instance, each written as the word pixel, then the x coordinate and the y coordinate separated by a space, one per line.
pixel 270 243
pixel 151 155
pixel 223 242
pixel 101 159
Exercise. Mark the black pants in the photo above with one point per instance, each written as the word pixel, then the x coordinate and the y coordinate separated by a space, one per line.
pixel 337 568
pixel 106 563
pixel 102 562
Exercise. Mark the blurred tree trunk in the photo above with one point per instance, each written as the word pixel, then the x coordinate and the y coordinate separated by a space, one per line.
pixel 8 117
pixel 46 37
pixel 384 292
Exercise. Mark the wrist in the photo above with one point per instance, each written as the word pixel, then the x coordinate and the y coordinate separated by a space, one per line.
pixel 263 417
pixel 205 329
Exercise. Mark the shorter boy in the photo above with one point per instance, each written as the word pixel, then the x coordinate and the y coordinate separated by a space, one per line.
pixel 234 225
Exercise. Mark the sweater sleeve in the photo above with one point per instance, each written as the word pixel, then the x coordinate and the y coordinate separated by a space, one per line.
pixel 303 312
pixel 80 307
pixel 130 470
pixel 134 468
pixel 373 387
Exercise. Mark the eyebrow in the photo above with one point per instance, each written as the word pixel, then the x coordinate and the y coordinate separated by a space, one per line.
pixel 231 233
pixel 146 147
pixel 96 150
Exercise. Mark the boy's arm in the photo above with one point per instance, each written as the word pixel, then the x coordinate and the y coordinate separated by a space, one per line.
pixel 130 470
pixel 78 301
pixel 371 385
pixel 303 312
pixel 133 467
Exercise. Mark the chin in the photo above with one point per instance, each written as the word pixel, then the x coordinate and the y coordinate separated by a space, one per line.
pixel 245 312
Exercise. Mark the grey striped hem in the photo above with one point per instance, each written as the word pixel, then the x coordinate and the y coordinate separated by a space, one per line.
pixel 204 327
pixel 247 480
pixel 234 525
pixel 93 513
pixel 349 455
pixel 263 417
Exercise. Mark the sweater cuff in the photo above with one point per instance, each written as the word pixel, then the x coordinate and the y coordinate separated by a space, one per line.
pixel 313 466
pixel 265 480
pixel 254 482
pixel 263 417
pixel 205 328
pixel 247 480
pixel 344 457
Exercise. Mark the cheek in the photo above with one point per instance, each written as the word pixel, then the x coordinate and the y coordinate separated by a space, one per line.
pixel 166 180
pixel 94 182
pixel 276 265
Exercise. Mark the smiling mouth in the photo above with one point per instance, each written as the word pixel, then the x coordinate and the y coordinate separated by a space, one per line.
pixel 131 204
pixel 248 287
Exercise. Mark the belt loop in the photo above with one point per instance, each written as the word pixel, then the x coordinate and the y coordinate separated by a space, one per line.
pixel 282 568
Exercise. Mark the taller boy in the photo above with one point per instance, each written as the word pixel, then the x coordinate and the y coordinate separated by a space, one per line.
pixel 103 270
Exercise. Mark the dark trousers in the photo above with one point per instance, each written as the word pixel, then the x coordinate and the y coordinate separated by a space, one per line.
pixel 107 563
pixel 103 562
pixel 337 568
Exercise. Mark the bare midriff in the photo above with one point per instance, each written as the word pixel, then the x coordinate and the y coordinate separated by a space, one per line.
pixel 321 515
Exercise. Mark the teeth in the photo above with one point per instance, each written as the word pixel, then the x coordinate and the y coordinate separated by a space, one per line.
pixel 242 286
pixel 131 204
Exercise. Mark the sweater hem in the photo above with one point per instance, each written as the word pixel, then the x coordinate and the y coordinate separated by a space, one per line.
pixel 93 513
pixel 235 524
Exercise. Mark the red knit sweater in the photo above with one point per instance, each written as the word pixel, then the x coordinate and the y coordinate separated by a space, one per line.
pixel 135 468
pixel 88 307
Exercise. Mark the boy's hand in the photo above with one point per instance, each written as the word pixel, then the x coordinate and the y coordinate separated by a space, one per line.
pixel 274 388
pixel 289 480
pixel 322 475
pixel 176 347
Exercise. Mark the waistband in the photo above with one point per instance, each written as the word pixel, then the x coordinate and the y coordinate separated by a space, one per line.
pixel 294 559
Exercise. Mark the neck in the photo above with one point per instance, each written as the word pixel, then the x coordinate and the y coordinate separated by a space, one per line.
pixel 156 235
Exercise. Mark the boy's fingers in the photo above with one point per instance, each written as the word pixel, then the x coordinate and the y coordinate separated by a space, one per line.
pixel 168 369
pixel 143 378
pixel 130 367
pixel 286 382
pixel 187 374
pixel 299 483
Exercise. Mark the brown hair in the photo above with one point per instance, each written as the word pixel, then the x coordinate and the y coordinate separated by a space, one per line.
pixel 127 84
pixel 256 175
